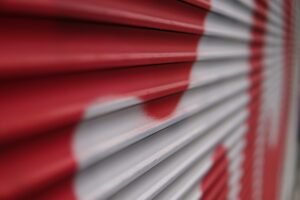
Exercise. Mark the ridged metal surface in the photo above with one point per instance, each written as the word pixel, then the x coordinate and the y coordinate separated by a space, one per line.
pixel 145 99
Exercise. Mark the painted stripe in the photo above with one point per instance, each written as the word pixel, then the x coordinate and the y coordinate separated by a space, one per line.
pixel 254 109
pixel 169 15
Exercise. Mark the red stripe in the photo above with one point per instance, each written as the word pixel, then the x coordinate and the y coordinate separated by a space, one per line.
pixel 168 15
pixel 213 183
pixel 35 163
pixel 201 3
pixel 256 62
pixel 34 46
pixel 217 170
pixel 220 187
pixel 223 195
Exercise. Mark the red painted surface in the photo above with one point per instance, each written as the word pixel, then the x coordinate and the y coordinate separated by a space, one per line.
pixel 39 113
pixel 215 182
pixel 168 15
pixel 65 46
pixel 256 62
pixel 35 163
pixel 36 46
pixel 201 3
pixel 223 195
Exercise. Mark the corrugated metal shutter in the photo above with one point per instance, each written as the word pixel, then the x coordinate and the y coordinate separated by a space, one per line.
pixel 153 99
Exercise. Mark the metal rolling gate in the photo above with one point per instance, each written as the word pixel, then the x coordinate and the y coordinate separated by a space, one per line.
pixel 147 99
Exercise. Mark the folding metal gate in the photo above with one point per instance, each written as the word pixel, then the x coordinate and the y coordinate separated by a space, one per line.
pixel 152 99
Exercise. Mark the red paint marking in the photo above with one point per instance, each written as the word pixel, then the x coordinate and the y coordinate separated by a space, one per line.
pixel 256 62
pixel 217 189
pixel 217 178
pixel 218 169
pixel 163 107
pixel 223 195
pixel 34 111
pixel 201 3
pixel 255 94
pixel 35 163
pixel 46 104
pixel 60 46
pixel 169 15
pixel 60 191
pixel 274 154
